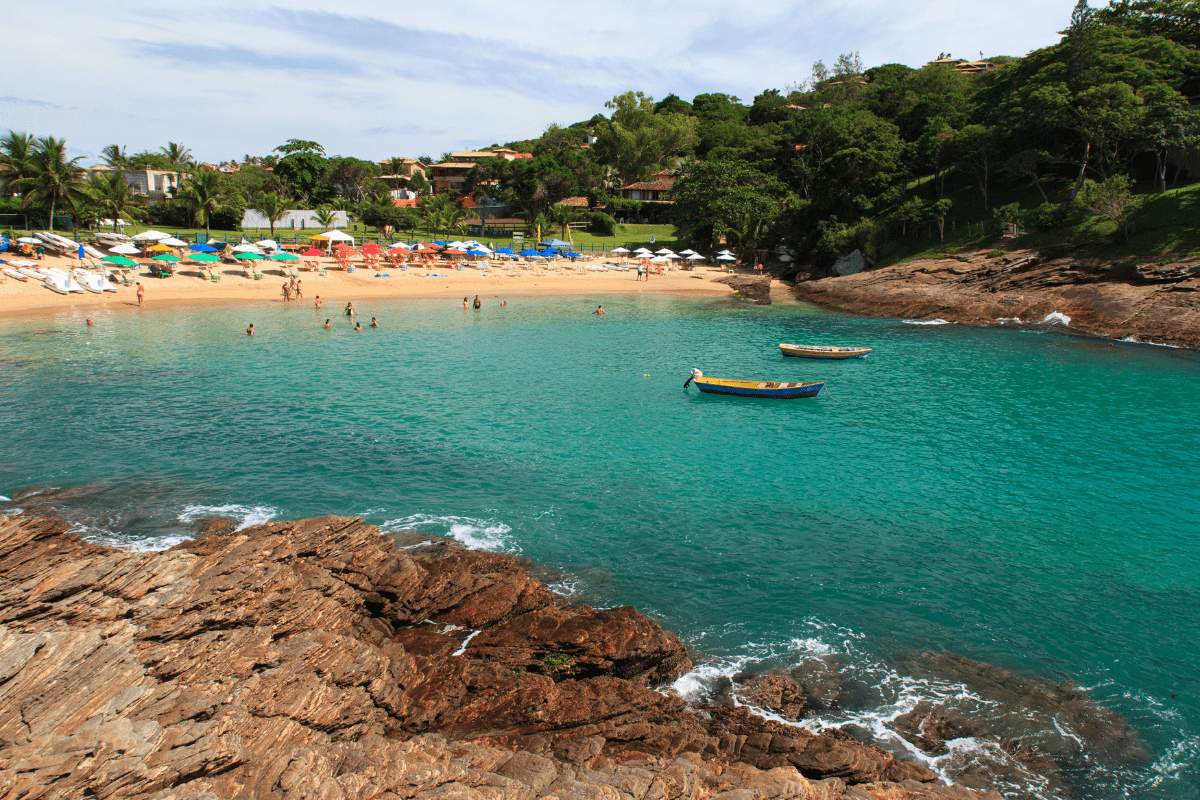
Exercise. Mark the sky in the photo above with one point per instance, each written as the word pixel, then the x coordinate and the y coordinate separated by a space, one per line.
pixel 374 79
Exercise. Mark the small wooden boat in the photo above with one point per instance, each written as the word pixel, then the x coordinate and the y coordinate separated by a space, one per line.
pixel 781 391
pixel 821 351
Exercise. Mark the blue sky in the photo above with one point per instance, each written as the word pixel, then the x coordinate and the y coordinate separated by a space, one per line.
pixel 375 79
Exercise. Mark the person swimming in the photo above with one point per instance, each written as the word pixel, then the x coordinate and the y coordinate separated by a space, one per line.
pixel 326 325
pixel 358 326
pixel 374 324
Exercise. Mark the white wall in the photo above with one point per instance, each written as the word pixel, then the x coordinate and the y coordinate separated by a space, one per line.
pixel 294 220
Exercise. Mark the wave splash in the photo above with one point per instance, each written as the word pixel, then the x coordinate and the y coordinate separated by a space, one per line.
pixel 247 516
pixel 938 321
pixel 1057 317
pixel 477 534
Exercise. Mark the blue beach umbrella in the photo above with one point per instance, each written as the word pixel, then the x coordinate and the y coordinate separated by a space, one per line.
pixel 203 248
pixel 504 251
pixel 572 254
pixel 529 252
pixel 550 254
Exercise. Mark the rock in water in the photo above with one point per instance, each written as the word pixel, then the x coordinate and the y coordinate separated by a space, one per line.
pixel 316 659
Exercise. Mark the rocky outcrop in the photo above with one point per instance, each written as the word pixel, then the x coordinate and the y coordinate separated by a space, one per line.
pixel 749 287
pixel 1150 302
pixel 316 659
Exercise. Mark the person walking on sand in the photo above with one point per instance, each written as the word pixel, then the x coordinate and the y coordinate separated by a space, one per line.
pixel 287 293
pixel 141 294
pixel 318 302
pixel 639 275
pixel 478 303
pixel 600 310
pixel 326 325
pixel 250 330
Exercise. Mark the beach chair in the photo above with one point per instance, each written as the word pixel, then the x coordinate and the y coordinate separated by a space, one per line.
pixel 214 275
pixel 257 275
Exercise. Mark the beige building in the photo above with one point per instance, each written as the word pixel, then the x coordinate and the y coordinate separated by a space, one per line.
pixel 156 184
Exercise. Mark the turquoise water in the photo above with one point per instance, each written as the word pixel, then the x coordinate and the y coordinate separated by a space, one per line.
pixel 1015 495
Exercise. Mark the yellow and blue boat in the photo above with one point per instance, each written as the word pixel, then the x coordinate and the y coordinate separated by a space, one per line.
pixel 821 351
pixel 773 389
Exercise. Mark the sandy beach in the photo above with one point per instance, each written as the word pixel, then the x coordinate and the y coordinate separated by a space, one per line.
pixel 335 286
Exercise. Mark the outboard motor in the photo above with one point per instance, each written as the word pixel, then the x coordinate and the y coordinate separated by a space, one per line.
pixel 695 374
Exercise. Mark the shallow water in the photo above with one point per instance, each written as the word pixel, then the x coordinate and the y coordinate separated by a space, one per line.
pixel 1015 495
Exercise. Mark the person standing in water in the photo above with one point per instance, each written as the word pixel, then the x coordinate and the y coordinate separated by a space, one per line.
pixel 326 325
pixel 299 289
pixel 318 303
pixel 478 303
pixel 350 309
pixel 465 302
pixel 250 330
pixel 141 294
pixel 599 310
pixel 358 326
pixel 374 324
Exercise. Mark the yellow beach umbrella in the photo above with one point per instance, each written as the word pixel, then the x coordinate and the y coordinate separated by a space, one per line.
pixel 160 247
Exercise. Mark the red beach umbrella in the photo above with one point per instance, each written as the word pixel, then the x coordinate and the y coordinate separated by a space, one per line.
pixel 453 252
pixel 371 247
pixel 313 252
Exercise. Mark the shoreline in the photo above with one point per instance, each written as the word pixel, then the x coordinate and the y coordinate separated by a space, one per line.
pixel 187 289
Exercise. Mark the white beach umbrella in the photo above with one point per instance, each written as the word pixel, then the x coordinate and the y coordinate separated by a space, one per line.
pixel 618 250
pixel 151 236
pixel 658 260
pixel 246 247
pixel 125 250
pixel 641 251
pixel 688 252
pixel 663 252
pixel 269 243
pixel 400 246
pixel 726 258
pixel 171 241
pixel 695 257
pixel 672 255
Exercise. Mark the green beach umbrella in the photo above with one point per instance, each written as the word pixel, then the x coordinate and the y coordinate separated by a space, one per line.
pixel 203 257
pixel 120 261
pixel 250 256
pixel 285 257
pixel 165 257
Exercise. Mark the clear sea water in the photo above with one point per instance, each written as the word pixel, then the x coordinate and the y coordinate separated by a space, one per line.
pixel 1016 495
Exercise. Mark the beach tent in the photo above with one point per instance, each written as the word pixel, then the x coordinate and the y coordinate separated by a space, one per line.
pixel 555 243
pixel 333 236
pixel 151 236
pixel 203 248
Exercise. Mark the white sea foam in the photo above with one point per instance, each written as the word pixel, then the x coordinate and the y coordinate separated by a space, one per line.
pixel 477 534
pixel 1006 320
pixel 141 544
pixel 938 321
pixel 568 586
pixel 1134 340
pixel 4 499
pixel 1057 317
pixel 1181 758
pixel 247 516
pixel 704 677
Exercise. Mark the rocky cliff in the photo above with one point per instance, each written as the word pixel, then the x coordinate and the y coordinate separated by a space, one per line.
pixel 318 659
pixel 1149 302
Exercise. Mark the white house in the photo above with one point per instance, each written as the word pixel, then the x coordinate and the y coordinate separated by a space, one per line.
pixel 294 220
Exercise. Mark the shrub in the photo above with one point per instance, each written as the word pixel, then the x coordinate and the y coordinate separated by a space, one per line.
pixel 602 224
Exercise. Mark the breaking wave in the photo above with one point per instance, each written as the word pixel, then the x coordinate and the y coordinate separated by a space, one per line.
pixel 938 321
pixel 1057 317
pixel 247 516
pixel 477 534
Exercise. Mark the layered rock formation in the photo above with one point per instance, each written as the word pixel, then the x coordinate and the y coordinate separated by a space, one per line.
pixel 316 659
pixel 1147 301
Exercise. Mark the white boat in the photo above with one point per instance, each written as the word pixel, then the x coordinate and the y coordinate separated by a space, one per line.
pixel 30 273
pixel 111 238
pixel 59 243
pixel 90 281
pixel 58 281
pixel 12 273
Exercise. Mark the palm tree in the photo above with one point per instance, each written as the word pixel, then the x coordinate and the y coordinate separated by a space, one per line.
pixel 15 150
pixel 114 156
pixel 53 178
pixel 205 194
pixel 562 216
pixel 177 153
pixel 396 164
pixel 273 206
pixel 112 193
pixel 325 216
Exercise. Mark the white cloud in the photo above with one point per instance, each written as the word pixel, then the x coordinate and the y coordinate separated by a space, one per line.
pixel 375 79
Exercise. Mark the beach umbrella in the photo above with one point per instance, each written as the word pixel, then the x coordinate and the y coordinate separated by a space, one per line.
pixel 165 257
pixel 618 250
pixel 645 251
pixel 504 251
pixel 425 249
pixel 572 254
pixel 688 252
pixel 249 256
pixel 528 251
pixel 550 254
pixel 672 255
pixel 453 251
pixel 245 247
pixel 204 257
pixel 400 246
pixel 125 250
pixel 313 253
pixel 695 257
pixel 160 247
pixel 270 244
pixel 479 248
pixel 371 247
pixel 120 261
pixel 285 257
pixel 726 258
pixel 151 236
pixel 658 260
pixel 171 240
pixel 663 252
pixel 556 243
pixel 203 248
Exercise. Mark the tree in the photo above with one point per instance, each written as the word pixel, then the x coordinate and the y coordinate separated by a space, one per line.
pixel 355 179
pixel 1026 163
pixel 1166 122
pixel 976 148
pixel 300 146
pixel 325 216
pixel 177 153
pixel 726 198
pixel 114 156
pixel 15 152
pixel 114 197
pixel 273 206
pixel 638 141
pixel 53 178
pixel 1114 199
pixel 204 195
pixel 1177 20
pixel 303 168
pixel 562 216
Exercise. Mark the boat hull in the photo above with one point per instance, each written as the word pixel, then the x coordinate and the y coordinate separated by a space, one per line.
pixel 823 353
pixel 769 389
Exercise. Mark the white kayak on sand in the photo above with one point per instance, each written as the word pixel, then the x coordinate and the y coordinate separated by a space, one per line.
pixel 12 273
